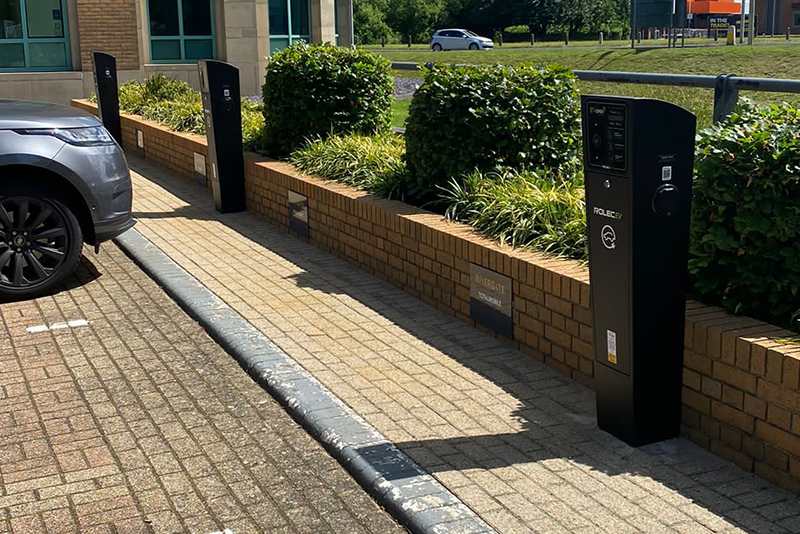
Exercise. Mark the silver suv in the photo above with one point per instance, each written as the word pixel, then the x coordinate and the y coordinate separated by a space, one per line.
pixel 63 182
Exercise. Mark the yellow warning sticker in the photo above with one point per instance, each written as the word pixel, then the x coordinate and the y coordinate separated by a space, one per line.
pixel 611 338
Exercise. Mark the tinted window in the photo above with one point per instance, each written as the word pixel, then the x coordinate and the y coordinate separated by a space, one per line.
pixel 196 17
pixel 164 17
pixel 181 30
pixel 44 18
pixel 278 17
pixel 10 20
pixel 38 30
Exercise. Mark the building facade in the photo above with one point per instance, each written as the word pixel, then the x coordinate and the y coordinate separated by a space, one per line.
pixel 46 45
pixel 774 17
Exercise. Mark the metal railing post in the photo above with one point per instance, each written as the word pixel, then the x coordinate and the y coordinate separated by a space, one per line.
pixel 726 96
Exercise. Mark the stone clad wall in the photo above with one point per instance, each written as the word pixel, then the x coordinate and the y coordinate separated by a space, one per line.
pixel 741 381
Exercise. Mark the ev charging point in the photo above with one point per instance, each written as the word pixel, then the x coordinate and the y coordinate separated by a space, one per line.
pixel 222 105
pixel 638 161
pixel 104 67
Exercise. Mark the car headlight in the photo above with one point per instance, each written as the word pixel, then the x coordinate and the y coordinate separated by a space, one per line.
pixel 91 136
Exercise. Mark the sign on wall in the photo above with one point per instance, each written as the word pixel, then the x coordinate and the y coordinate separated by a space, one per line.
pixel 491 298
pixel 298 214
pixel 140 142
pixel 721 22
pixel 200 169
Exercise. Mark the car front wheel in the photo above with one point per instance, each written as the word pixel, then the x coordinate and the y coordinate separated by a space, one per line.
pixel 437 47
pixel 40 243
pixel 473 46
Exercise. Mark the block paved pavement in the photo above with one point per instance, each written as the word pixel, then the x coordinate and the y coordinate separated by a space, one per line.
pixel 139 423
pixel 514 440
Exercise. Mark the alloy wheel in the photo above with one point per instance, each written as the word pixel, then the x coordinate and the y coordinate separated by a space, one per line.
pixel 34 242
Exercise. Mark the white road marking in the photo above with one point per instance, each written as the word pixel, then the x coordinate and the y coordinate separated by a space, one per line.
pixel 58 326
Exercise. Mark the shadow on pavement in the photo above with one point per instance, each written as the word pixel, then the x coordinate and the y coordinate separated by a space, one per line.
pixel 557 440
pixel 84 273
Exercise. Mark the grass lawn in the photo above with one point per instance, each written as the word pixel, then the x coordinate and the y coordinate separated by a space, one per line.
pixel 400 109
pixel 774 61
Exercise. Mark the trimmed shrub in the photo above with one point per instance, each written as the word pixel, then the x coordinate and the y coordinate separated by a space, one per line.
pixel 746 214
pixel 480 117
pixel 535 209
pixel 315 91
pixel 374 164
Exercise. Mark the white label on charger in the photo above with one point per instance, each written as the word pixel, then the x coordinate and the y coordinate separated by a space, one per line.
pixel 611 338
pixel 200 164
pixel 666 173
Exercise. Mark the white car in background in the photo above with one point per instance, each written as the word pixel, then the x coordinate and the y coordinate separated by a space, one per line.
pixel 455 39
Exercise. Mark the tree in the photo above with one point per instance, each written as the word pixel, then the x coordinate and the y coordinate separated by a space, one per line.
pixel 543 15
pixel 415 18
pixel 488 16
pixel 369 20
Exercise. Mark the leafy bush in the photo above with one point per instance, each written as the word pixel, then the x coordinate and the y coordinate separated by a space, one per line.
pixel 253 126
pixel 746 214
pixel 185 115
pixel 158 87
pixel 131 97
pixel 374 164
pixel 480 117
pixel 314 91
pixel 524 209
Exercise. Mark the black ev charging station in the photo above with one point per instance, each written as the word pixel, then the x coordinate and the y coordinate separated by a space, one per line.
pixel 222 105
pixel 639 157
pixel 104 67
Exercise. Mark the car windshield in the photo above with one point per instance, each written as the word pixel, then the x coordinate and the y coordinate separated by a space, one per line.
pixel 470 33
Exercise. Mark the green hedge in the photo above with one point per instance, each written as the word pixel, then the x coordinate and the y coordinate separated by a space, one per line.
pixel 481 117
pixel 745 251
pixel 314 91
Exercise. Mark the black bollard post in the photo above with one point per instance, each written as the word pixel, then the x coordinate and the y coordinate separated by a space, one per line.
pixel 222 104
pixel 106 88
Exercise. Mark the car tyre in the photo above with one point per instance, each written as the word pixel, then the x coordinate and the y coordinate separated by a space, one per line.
pixel 473 46
pixel 40 241
pixel 437 47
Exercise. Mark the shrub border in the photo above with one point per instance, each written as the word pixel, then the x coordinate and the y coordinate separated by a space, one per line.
pixel 741 384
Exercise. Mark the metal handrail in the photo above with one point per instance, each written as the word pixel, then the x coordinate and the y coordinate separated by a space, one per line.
pixel 726 86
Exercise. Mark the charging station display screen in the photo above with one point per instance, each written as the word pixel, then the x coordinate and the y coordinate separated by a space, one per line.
pixel 606 135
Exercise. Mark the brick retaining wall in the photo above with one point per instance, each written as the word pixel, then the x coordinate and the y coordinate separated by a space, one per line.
pixel 741 383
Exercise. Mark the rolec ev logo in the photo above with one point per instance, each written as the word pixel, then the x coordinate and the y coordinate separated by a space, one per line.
pixel 608 214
